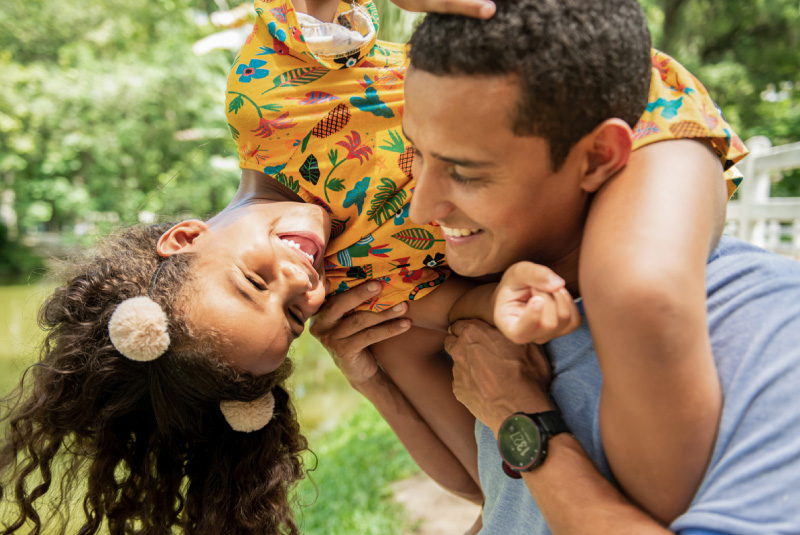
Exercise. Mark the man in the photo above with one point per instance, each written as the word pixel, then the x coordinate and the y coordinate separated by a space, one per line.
pixel 454 114
pixel 453 102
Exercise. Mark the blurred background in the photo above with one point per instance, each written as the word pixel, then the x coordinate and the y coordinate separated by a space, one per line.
pixel 112 113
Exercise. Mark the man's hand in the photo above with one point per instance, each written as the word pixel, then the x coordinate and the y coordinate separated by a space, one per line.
pixel 494 377
pixel 531 306
pixel 481 9
pixel 347 338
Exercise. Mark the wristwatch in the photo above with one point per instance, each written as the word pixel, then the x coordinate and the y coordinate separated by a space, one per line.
pixel 522 439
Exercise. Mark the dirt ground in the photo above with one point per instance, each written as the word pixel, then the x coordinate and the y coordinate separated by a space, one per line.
pixel 433 510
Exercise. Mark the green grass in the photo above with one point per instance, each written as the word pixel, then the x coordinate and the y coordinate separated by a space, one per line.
pixel 348 493
pixel 357 454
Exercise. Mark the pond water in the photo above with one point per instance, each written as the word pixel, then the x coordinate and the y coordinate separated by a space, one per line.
pixel 19 333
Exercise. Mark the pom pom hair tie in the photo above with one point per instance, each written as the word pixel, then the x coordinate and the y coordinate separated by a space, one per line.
pixel 138 329
pixel 248 416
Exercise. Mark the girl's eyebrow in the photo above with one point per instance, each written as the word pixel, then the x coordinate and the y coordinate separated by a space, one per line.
pixel 461 162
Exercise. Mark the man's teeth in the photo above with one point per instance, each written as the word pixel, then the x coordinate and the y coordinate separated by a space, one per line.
pixel 290 243
pixel 458 232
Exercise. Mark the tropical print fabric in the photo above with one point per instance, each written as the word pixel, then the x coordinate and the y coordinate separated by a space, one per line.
pixel 679 107
pixel 318 106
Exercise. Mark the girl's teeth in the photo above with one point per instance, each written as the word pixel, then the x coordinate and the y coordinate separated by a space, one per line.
pixel 295 245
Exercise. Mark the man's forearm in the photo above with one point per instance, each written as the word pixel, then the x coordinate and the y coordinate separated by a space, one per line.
pixel 576 499
pixel 424 446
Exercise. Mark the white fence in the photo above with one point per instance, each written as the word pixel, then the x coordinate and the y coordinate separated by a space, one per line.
pixel 769 222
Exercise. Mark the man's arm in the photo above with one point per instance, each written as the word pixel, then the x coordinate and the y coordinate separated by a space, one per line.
pixel 494 378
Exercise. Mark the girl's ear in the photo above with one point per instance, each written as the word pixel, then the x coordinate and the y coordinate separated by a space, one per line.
pixel 608 147
pixel 179 239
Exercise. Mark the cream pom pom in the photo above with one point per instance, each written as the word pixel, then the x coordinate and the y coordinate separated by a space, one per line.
pixel 247 416
pixel 138 329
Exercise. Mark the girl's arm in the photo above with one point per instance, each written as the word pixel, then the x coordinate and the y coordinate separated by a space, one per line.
pixel 411 387
pixel 642 275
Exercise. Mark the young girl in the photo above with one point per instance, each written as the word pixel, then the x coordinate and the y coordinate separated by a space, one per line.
pixel 138 391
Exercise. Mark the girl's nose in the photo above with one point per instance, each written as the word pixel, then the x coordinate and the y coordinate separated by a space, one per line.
pixel 295 278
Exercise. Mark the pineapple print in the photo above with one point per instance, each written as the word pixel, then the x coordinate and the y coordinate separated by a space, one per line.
pixel 405 161
pixel 336 119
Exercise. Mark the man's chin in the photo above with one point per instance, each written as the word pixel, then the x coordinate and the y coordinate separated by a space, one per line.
pixel 471 267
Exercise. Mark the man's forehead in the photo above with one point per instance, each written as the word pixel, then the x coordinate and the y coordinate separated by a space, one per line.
pixel 459 102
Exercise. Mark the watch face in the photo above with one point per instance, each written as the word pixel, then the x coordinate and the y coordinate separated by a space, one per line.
pixel 520 442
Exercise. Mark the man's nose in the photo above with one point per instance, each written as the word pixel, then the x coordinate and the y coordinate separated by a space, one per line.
pixel 429 201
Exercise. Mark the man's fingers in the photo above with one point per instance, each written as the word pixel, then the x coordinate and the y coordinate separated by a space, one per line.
pixel 337 306
pixel 353 345
pixel 482 9
pixel 363 320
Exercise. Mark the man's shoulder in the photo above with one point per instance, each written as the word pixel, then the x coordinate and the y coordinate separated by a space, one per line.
pixel 736 264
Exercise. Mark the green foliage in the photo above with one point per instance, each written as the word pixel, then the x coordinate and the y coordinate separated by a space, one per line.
pixel 348 492
pixel 105 112
pixel 745 52
pixel 16 260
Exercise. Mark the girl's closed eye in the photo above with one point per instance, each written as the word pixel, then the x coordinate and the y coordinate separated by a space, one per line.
pixel 260 286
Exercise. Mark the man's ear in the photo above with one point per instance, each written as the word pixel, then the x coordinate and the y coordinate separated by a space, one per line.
pixel 180 238
pixel 608 147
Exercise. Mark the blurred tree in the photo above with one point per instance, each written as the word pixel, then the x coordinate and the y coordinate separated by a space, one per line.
pixel 746 53
pixel 101 104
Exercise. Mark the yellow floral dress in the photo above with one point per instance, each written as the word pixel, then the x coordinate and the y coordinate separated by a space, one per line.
pixel 318 106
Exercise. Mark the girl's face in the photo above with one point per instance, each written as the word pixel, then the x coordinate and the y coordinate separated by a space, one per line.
pixel 259 275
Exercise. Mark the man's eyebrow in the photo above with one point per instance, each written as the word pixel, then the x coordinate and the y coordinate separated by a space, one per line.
pixel 453 161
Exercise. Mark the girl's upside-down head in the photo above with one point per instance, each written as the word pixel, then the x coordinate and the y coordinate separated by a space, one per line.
pixel 144 444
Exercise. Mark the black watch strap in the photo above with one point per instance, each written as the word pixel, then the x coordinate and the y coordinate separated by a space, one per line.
pixel 551 422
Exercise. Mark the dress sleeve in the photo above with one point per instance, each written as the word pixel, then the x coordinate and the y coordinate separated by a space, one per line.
pixel 679 107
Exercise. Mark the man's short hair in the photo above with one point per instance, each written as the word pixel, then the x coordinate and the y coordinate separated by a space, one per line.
pixel 578 62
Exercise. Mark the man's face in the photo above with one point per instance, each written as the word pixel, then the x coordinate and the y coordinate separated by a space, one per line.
pixel 494 193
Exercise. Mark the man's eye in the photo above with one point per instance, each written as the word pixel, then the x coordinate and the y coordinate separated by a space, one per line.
pixel 257 285
pixel 462 179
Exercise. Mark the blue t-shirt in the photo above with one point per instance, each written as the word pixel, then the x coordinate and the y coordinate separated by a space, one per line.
pixel 752 485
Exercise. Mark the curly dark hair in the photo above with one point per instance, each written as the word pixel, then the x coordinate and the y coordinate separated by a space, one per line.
pixel 144 443
pixel 578 62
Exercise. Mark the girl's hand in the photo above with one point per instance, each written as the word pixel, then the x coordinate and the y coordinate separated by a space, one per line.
pixel 531 306
pixel 348 337
pixel 480 9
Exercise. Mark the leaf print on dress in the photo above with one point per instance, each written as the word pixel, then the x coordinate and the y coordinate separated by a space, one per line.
pixel 252 70
pixel 644 129
pixel 314 97
pixel 387 203
pixel 338 226
pixel 354 147
pixel 357 195
pixel 417 238
pixel 334 184
pixel 266 127
pixel 298 77
pixel 372 104
pixel 394 143
pixel 310 169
